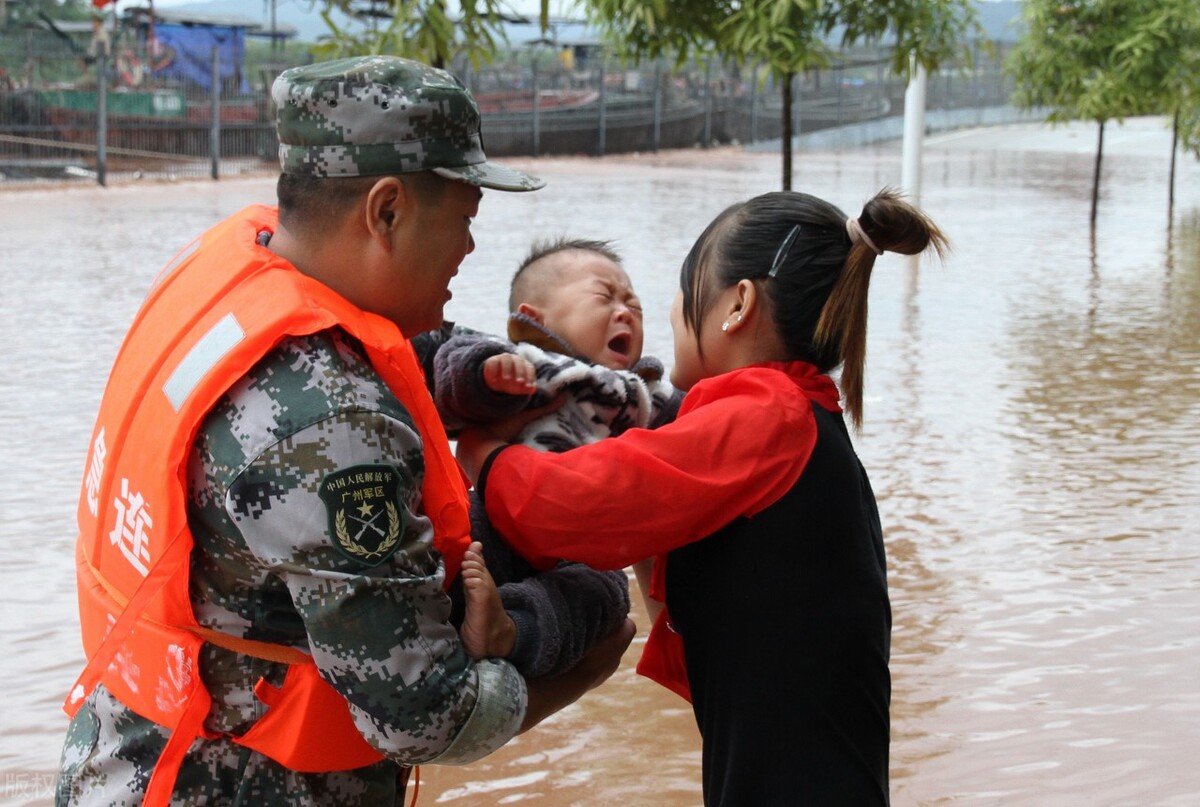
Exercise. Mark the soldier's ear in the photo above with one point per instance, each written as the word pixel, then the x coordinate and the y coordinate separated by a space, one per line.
pixel 386 205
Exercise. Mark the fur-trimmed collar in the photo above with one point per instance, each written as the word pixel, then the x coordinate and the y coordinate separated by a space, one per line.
pixel 524 328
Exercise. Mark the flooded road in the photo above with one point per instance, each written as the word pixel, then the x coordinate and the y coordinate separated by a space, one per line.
pixel 1032 429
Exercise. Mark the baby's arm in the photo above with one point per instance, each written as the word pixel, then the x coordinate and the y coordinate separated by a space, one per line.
pixel 461 391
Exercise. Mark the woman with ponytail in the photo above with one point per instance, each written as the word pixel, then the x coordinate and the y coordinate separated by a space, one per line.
pixel 768 550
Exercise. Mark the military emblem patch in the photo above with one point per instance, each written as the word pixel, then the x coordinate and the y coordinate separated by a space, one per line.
pixel 365 521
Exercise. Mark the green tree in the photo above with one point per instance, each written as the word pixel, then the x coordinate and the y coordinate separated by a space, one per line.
pixel 33 17
pixel 16 14
pixel 426 30
pixel 787 36
pixel 1092 60
pixel 1189 124
pixel 1163 51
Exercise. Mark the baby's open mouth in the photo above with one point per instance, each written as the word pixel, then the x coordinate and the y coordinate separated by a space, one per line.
pixel 620 344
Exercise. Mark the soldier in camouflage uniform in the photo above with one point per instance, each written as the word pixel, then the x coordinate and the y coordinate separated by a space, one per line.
pixel 312 419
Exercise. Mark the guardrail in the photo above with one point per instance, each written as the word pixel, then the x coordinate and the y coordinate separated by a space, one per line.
pixel 69 129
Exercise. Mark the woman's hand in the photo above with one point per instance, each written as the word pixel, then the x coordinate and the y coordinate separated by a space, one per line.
pixel 474 446
pixel 476 443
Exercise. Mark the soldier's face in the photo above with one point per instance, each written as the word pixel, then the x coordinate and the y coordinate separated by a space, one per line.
pixel 437 240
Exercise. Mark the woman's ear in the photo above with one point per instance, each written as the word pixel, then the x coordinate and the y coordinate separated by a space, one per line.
pixel 387 203
pixel 749 293
pixel 741 307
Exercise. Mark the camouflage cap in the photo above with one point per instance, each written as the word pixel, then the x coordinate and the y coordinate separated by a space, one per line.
pixel 375 115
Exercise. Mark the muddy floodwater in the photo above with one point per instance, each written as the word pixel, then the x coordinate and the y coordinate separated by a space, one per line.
pixel 1032 429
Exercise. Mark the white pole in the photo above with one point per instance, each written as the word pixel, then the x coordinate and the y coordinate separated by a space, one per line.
pixel 914 132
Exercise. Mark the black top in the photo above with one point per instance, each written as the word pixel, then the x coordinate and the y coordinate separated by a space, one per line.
pixel 803 618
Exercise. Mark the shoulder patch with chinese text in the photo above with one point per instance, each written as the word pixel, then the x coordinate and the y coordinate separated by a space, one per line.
pixel 365 521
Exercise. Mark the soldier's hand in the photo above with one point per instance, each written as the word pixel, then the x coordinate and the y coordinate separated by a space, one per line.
pixel 548 695
pixel 604 659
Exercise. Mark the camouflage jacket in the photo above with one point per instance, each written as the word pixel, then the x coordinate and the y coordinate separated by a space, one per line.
pixel 265 567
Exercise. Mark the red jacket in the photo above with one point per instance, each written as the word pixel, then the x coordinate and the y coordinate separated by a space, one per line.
pixel 739 443
pixel 215 311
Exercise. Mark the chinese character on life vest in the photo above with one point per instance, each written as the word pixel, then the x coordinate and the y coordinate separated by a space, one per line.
pixel 95 472
pixel 131 530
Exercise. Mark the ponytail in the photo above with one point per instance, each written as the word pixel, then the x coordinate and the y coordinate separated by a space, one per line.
pixel 887 224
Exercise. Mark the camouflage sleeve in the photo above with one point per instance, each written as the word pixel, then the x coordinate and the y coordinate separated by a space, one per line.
pixel 333 511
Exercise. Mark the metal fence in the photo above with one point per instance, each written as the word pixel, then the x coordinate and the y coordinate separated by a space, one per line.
pixel 57 124
pixel 66 115
pixel 648 107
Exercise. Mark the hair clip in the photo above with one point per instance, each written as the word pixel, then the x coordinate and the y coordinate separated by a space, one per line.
pixel 781 254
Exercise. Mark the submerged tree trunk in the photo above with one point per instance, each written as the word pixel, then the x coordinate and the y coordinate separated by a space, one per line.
pixel 1096 175
pixel 1174 149
pixel 787 130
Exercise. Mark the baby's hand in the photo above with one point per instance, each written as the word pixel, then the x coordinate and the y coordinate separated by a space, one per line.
pixel 510 374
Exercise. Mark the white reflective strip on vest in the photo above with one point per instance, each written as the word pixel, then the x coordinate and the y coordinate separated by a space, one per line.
pixel 203 356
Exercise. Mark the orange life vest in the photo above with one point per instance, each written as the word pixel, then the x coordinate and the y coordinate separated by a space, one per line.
pixel 215 311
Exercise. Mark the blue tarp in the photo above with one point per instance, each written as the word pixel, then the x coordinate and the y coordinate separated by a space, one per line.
pixel 185 52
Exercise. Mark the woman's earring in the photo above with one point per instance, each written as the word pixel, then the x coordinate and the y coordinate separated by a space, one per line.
pixel 725 325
